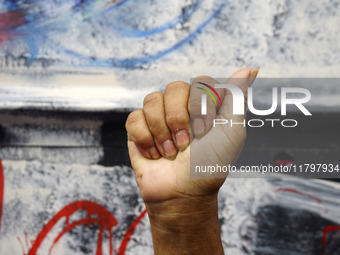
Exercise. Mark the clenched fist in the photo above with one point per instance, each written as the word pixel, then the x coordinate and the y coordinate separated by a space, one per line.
pixel 160 137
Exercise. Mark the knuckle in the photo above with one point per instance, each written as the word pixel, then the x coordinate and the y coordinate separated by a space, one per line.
pixel 144 138
pixel 176 119
pixel 195 102
pixel 136 128
pixel 206 79
pixel 175 85
pixel 133 118
pixel 203 77
pixel 152 99
pixel 158 128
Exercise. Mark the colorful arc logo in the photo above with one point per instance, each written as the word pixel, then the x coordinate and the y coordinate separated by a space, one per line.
pixel 208 92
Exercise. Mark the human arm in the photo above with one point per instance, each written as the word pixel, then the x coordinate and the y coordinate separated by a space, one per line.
pixel 182 210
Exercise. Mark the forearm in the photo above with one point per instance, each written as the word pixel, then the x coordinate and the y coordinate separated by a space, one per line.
pixel 186 226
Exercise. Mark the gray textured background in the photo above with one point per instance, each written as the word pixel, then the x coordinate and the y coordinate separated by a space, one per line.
pixel 70 68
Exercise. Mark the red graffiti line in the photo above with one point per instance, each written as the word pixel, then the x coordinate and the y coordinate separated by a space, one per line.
pixel 2 189
pixel 326 230
pixel 130 232
pixel 95 214
pixel 27 243
pixel 319 201
pixel 21 245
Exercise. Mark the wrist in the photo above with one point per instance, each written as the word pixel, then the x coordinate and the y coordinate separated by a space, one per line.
pixel 188 207
pixel 190 222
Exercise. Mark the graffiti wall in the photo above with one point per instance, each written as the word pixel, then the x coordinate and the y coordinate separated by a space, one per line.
pixel 134 47
pixel 70 72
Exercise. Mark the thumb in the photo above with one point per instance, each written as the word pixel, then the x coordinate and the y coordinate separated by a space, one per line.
pixel 242 79
pixel 223 144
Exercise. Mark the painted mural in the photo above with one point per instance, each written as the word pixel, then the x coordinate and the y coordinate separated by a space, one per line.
pixel 93 33
pixel 71 70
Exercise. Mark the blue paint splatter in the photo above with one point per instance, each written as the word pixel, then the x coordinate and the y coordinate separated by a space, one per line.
pixel 186 15
pixel 40 27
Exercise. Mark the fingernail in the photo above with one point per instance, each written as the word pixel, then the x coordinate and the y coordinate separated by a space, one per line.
pixel 255 70
pixel 154 153
pixel 199 127
pixel 182 139
pixel 253 75
pixel 169 148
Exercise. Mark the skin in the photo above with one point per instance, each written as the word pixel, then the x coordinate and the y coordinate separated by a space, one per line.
pixel 183 211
